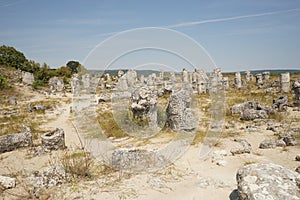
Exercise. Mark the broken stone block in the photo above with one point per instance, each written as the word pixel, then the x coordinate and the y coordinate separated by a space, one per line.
pixel 14 141
pixel 245 147
pixel 54 140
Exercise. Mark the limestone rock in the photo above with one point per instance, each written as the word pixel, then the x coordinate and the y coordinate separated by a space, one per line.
pixel 144 105
pixel 296 88
pixel 7 182
pixel 48 177
pixel 267 181
pixel 27 78
pixel 280 103
pixel 251 114
pixel 245 147
pixel 56 84
pixel 179 113
pixel 54 140
pixel 271 143
pixel 288 138
pixel 14 141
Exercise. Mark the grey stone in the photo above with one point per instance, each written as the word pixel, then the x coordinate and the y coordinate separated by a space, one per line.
pixel 296 88
pixel 266 75
pixel 288 138
pixel 53 140
pixel 179 113
pixel 251 114
pixel 143 105
pixel 132 159
pixel 285 82
pixel 267 181
pixel 298 169
pixel 245 147
pixel 11 142
pixel 271 143
pixel 237 80
pixel 185 76
pixel 7 182
pixel 280 103
pixel 48 177
pixel 56 84
pixel 27 78
pixel 297 158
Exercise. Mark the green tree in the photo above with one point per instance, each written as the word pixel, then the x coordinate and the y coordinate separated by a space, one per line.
pixel 73 66
pixel 9 56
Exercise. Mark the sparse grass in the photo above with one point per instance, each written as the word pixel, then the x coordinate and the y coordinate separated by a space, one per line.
pixel 78 164
pixel 199 137
pixel 109 125
pixel 249 162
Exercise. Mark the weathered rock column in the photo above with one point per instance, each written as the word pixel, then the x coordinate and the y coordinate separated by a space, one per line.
pixel 259 80
pixel 179 113
pixel 144 106
pixel 225 83
pixel 237 80
pixel 285 82
pixel 296 88
pixel 248 76
pixel 185 76
pixel 266 75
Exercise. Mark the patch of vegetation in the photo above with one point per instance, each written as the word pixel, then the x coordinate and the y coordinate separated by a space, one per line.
pixel 109 125
pixel 78 164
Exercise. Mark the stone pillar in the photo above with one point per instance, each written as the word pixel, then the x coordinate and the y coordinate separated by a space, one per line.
pixel 185 76
pixel 266 75
pixel 225 83
pixel 296 88
pixel 161 75
pixel 172 77
pixel 259 80
pixel 122 85
pixel 248 75
pixel 120 73
pixel 142 79
pixel 237 80
pixel 285 82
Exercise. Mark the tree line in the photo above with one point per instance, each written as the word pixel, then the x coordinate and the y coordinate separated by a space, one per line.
pixel 10 57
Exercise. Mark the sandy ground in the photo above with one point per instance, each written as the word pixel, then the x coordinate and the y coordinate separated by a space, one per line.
pixel 190 177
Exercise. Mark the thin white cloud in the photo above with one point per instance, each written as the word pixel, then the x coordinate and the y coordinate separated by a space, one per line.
pixel 185 24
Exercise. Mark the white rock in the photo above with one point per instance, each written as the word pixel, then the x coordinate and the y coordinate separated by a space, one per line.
pixel 7 182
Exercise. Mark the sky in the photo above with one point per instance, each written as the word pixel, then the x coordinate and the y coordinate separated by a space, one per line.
pixel 235 35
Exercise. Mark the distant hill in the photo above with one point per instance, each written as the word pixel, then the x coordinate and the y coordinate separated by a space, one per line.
pixel 115 72
pixel 272 71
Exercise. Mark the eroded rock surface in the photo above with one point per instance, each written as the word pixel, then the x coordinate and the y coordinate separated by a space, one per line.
pixel 267 181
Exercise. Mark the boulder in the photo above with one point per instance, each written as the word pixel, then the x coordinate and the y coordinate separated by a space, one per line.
pixel 271 144
pixel 251 114
pixel 280 103
pixel 11 142
pixel 245 147
pixel 267 181
pixel 288 138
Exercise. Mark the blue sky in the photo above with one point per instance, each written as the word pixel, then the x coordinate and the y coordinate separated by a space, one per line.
pixel 238 34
